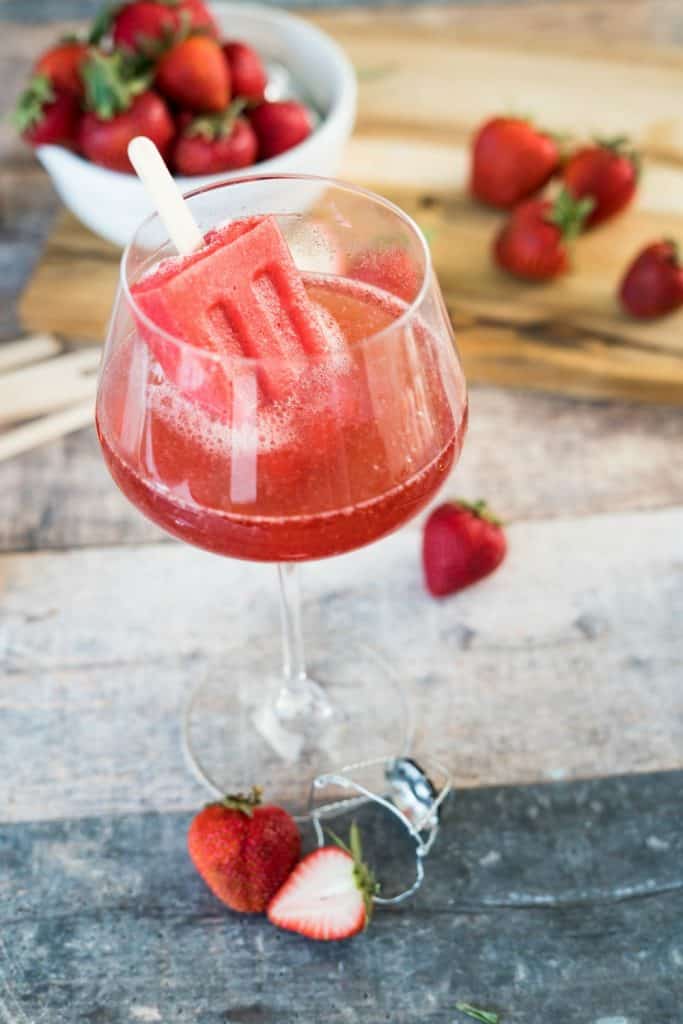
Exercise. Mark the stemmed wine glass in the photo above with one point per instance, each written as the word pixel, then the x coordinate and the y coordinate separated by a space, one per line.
pixel 346 448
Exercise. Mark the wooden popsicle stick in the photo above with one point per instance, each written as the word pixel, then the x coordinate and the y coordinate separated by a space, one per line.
pixel 49 385
pixel 14 354
pixel 48 428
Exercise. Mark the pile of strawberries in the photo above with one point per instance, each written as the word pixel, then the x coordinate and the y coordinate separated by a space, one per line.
pixel 159 68
pixel 249 855
pixel 513 160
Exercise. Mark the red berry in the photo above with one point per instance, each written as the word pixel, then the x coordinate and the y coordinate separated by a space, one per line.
pixel 46 115
pixel 243 851
pixel 653 283
pixel 105 140
pixel 249 77
pixel 62 65
pixel 607 173
pixel 511 160
pixel 209 145
pixel 532 244
pixel 279 126
pixel 195 74
pixel 328 896
pixel 138 24
pixel 462 543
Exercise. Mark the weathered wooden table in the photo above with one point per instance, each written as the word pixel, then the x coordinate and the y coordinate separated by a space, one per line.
pixel 554 691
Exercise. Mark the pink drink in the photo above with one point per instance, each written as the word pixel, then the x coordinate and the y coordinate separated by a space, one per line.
pixel 340 460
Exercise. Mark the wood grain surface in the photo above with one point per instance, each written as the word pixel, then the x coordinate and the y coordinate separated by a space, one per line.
pixel 411 145
pixel 555 902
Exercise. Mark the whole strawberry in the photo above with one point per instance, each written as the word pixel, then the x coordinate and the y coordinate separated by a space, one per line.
pixel 279 126
pixel 329 896
pixel 62 65
pixel 462 543
pixel 46 115
pixel 533 243
pixel 139 24
pixel 607 173
pixel 511 160
pixel 653 284
pixel 248 75
pixel 215 143
pixel 243 851
pixel 195 75
pixel 120 106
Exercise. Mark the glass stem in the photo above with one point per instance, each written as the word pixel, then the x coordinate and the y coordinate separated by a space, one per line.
pixel 293 658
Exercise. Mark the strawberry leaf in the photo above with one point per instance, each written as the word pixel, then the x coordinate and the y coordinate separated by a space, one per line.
pixel 481 510
pixel 113 81
pixel 217 126
pixel 569 214
pixel 675 251
pixel 243 804
pixel 102 25
pixel 362 875
pixel 29 109
pixel 485 1016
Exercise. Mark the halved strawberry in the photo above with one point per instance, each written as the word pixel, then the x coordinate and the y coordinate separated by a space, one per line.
pixel 329 895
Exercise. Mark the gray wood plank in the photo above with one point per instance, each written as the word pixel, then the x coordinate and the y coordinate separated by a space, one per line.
pixel 547 903
pixel 520 678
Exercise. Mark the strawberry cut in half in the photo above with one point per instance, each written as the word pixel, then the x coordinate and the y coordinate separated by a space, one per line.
pixel 329 895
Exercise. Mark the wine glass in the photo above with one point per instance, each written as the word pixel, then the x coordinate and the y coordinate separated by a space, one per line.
pixel 289 456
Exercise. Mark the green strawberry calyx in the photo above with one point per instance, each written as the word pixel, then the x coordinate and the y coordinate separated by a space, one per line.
pixel 675 251
pixel 113 81
pixel 33 100
pixel 244 804
pixel 569 214
pixel 479 509
pixel 217 126
pixel 362 875
pixel 621 145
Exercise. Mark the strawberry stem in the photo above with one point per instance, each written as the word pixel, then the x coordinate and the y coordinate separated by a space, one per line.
pixel 217 126
pixel 569 214
pixel 112 82
pixel 481 510
pixel 240 802
pixel 362 874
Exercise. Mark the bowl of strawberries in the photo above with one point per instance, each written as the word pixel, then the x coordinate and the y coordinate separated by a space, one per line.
pixel 223 91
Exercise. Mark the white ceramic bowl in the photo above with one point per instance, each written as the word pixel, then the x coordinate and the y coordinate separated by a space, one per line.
pixel 113 204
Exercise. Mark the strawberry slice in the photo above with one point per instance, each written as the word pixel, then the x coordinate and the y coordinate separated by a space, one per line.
pixel 242 298
pixel 329 894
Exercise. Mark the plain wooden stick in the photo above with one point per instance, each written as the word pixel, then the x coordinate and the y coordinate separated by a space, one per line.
pixel 28 350
pixel 49 428
pixel 165 194
pixel 48 386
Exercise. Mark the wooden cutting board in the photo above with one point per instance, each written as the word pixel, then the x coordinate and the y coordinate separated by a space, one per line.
pixel 424 84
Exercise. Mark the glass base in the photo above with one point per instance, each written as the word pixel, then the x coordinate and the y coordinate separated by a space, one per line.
pixel 243 728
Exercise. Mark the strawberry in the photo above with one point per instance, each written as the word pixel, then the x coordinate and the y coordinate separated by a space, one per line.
pixel 532 243
pixel 46 115
pixel 329 894
pixel 389 268
pixel 279 126
pixel 62 65
pixel 243 851
pixel 249 78
pixel 606 172
pixel 461 544
pixel 120 106
pixel 653 283
pixel 215 143
pixel 139 24
pixel 195 74
pixel 511 160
